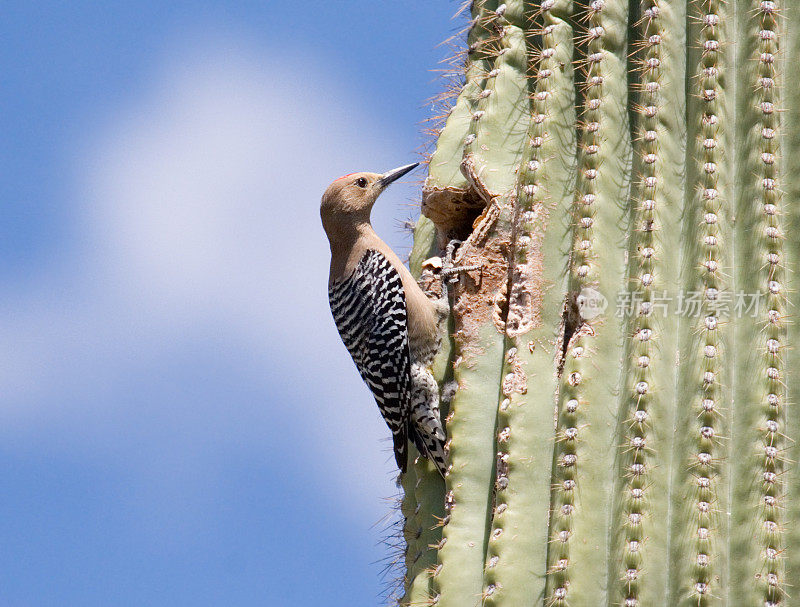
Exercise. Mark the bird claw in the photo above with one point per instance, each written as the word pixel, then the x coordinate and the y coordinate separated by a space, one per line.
pixel 449 270
pixel 451 250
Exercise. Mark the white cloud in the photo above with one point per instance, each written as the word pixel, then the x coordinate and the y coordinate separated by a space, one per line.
pixel 198 215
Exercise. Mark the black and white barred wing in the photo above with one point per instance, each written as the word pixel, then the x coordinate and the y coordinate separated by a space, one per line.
pixel 369 308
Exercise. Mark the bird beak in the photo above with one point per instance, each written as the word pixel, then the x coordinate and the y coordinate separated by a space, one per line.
pixel 395 174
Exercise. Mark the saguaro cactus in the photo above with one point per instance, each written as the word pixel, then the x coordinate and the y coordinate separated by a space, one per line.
pixel 616 385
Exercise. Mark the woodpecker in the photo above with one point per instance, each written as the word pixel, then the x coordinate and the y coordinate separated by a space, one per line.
pixel 386 321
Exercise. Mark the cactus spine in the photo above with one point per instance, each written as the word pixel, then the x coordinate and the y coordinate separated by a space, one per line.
pixel 637 154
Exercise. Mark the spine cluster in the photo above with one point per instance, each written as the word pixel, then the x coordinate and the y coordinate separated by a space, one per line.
pixel 486 141
pixel 427 514
pixel 708 453
pixel 644 282
pixel 529 227
pixel 771 278
pixel 410 508
pixel 583 274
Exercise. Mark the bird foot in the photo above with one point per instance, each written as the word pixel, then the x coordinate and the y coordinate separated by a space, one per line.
pixel 449 270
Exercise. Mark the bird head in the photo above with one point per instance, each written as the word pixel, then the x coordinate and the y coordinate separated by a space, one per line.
pixel 350 198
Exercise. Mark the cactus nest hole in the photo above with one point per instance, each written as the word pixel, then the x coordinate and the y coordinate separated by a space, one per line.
pixel 452 210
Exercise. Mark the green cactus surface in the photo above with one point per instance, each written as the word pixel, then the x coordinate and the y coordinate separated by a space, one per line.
pixel 616 378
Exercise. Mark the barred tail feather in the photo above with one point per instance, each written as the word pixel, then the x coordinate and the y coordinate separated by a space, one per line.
pixel 400 439
pixel 430 443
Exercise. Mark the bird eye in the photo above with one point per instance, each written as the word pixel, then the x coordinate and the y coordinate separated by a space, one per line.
pixel 361 182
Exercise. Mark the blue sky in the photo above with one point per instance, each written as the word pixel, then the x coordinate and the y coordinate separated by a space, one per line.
pixel 179 424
